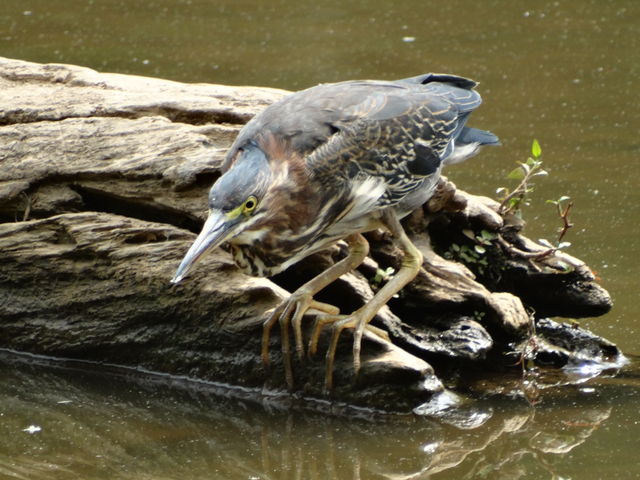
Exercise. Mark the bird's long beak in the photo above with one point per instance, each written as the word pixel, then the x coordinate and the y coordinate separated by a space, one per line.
pixel 216 230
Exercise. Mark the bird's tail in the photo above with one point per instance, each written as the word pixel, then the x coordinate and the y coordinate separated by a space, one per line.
pixel 474 135
pixel 454 80
pixel 468 143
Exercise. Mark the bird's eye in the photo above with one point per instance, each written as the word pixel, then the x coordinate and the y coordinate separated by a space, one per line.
pixel 249 205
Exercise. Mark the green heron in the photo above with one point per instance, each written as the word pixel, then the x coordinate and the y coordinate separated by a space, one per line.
pixel 329 163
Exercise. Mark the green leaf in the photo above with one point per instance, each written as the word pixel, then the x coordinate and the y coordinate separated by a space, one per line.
pixel 487 235
pixel 545 242
pixel 467 258
pixel 516 174
pixel 536 150
pixel 563 198
pixel 469 234
pixel 514 202
pixel 480 249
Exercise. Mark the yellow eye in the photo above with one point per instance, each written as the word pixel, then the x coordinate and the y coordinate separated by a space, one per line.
pixel 249 205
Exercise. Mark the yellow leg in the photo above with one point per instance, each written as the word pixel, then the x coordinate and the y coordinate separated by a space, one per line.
pixel 360 319
pixel 291 311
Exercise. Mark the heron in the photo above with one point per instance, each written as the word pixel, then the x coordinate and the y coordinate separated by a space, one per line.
pixel 330 163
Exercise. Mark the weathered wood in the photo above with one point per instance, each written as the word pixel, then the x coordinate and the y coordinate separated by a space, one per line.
pixel 103 182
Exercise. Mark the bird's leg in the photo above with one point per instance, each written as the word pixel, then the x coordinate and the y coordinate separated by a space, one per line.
pixel 359 319
pixel 292 310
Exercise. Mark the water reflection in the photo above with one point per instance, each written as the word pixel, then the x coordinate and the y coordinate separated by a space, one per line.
pixel 60 423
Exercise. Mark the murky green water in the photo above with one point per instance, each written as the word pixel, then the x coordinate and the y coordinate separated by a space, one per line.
pixel 561 71
pixel 60 423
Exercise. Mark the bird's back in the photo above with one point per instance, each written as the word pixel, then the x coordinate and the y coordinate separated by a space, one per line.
pixel 310 117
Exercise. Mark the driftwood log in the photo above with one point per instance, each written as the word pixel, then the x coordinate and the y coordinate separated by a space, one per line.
pixel 103 184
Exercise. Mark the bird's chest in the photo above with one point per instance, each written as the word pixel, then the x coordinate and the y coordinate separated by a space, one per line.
pixel 293 229
pixel 268 252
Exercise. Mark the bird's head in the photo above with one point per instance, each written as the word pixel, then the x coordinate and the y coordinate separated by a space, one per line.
pixel 235 203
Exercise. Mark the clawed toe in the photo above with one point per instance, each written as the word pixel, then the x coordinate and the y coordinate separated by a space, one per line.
pixel 338 323
pixel 290 314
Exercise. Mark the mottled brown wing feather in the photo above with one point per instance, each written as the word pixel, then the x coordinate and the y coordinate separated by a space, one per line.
pixel 398 130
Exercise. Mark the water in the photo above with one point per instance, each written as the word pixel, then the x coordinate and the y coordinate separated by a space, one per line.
pixel 560 71
pixel 63 423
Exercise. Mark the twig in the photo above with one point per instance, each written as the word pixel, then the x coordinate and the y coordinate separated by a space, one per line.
pixel 564 215
pixel 520 191
pixel 522 253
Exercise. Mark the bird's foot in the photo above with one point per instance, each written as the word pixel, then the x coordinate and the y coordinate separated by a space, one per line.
pixel 356 321
pixel 290 312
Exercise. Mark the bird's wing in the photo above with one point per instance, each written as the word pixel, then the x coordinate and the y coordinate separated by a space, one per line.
pixel 311 117
pixel 399 131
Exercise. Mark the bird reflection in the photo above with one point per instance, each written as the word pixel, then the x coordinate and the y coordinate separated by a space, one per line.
pixel 171 429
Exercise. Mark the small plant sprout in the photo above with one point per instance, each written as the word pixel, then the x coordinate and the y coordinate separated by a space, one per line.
pixel 513 200
pixel 482 239
pixel 382 276
pixel 563 206
pixel 472 255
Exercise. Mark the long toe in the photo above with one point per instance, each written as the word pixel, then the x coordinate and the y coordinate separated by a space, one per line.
pixel 349 322
pixel 266 333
